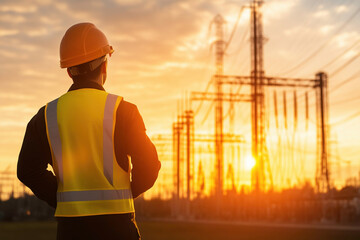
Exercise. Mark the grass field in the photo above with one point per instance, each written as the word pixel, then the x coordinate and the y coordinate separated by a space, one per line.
pixel 157 230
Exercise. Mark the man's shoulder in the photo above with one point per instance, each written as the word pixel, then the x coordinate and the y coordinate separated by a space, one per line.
pixel 39 117
pixel 129 114
pixel 36 125
pixel 126 106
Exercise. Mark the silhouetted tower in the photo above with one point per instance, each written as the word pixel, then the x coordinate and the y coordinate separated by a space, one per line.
pixel 189 128
pixel 177 157
pixel 219 51
pixel 257 92
pixel 201 179
pixel 322 168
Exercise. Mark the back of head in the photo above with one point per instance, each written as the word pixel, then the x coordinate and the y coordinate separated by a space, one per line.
pixel 87 71
pixel 83 50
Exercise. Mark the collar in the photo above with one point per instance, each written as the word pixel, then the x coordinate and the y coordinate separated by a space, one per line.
pixel 85 84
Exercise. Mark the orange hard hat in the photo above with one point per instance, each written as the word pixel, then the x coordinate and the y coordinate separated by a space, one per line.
pixel 83 42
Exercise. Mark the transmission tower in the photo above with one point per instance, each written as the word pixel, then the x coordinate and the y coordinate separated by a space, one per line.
pixel 219 97
pixel 322 168
pixel 257 92
pixel 219 53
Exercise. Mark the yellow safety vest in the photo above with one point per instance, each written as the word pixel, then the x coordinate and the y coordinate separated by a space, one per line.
pixel 80 129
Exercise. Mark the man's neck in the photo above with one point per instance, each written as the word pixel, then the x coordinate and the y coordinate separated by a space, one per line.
pixel 86 84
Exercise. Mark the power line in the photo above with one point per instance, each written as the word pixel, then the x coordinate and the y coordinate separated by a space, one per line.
pixel 228 112
pixel 201 102
pixel 300 43
pixel 351 117
pixel 342 27
pixel 237 51
pixel 342 67
pixel 340 84
pixel 341 55
pixel 234 28
pixel 208 112
pixel 346 100
pixel 237 61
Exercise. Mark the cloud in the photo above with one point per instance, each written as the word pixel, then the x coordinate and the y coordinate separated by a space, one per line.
pixel 14 96
pixel 38 74
pixel 351 54
pixel 49 21
pixel 128 2
pixel 12 18
pixel 62 6
pixel 44 2
pixel 321 14
pixel 18 8
pixel 341 9
pixel 12 123
pixel 8 32
pixel 122 37
pixel 20 5
pixel 277 9
pixel 8 54
pixel 174 65
pixel 293 31
pixel 326 29
pixel 346 38
pixel 37 32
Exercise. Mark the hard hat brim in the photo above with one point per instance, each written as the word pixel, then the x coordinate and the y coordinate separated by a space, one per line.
pixel 77 60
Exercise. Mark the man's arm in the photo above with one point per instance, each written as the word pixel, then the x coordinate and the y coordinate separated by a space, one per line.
pixel 139 147
pixel 33 161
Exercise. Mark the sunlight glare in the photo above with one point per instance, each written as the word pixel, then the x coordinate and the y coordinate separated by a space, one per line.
pixel 249 162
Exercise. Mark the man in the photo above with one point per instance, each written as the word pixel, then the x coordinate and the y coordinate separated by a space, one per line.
pixel 88 135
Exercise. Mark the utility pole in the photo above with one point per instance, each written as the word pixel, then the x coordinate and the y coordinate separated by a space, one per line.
pixel 322 169
pixel 176 133
pixel 184 122
pixel 219 53
pixel 189 122
pixel 257 92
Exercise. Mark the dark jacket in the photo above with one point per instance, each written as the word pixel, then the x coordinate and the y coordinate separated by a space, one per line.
pixel 130 140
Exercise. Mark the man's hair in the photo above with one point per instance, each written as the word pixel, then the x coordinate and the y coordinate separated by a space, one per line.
pixel 86 71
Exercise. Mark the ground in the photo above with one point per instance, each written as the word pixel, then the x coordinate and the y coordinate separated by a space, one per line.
pixel 161 230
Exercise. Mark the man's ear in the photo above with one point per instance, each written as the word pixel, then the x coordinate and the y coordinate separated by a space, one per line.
pixel 104 67
pixel 68 71
pixel 104 72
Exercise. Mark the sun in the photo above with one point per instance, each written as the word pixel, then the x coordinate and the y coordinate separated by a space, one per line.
pixel 249 162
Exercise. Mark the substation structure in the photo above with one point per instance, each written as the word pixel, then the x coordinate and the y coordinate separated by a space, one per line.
pixel 185 136
pixel 10 186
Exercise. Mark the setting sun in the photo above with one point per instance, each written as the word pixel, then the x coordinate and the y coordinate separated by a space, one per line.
pixel 249 162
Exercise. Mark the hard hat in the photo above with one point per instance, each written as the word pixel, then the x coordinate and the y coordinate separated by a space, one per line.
pixel 83 42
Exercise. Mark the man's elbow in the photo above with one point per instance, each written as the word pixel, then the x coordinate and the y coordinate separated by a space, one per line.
pixel 145 177
pixel 156 165
pixel 21 175
pixel 152 173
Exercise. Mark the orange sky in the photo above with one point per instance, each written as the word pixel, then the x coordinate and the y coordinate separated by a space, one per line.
pixel 162 51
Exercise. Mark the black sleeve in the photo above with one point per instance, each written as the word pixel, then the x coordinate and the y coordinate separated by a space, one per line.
pixel 134 142
pixel 33 161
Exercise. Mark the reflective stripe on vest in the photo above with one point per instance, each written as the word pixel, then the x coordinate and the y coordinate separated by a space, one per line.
pixel 90 181
pixel 107 141
pixel 54 135
pixel 93 195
